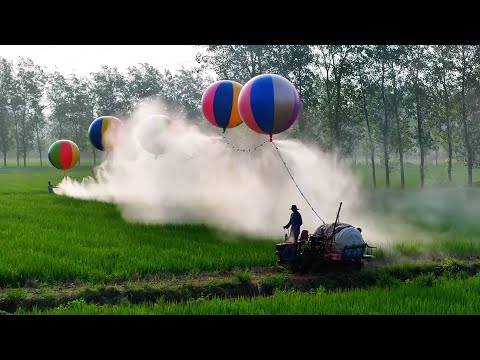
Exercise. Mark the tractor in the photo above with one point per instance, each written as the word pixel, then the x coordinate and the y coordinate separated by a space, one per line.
pixel 332 246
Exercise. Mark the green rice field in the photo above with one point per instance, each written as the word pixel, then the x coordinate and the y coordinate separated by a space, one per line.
pixel 60 255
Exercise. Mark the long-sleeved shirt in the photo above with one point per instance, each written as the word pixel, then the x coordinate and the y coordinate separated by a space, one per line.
pixel 295 220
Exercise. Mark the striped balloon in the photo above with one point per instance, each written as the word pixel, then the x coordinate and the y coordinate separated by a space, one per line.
pixel 269 104
pixel 100 132
pixel 63 154
pixel 220 104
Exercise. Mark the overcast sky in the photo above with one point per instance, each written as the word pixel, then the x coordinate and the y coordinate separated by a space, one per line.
pixel 84 59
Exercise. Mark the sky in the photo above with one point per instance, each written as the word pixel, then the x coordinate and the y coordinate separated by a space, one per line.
pixel 84 59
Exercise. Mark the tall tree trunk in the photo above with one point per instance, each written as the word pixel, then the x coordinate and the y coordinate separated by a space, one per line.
pixel 420 135
pixel 369 131
pixel 4 159
pixel 259 61
pixel 60 128
pixel 329 98
pixel 464 120
pixel 39 146
pixel 330 114
pixel 385 130
pixel 399 132
pixel 436 157
pixel 17 141
pixel 253 73
pixel 24 144
pixel 37 133
pixel 402 169
pixel 336 125
pixel 301 121
pixel 77 139
pixel 449 131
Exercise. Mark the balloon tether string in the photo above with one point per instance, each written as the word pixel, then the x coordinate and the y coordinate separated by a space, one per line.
pixel 289 173
pixel 239 149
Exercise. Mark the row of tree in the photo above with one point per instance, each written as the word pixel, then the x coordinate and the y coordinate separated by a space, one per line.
pixel 386 101
pixel 37 107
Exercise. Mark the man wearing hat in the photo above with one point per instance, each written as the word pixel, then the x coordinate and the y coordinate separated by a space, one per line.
pixel 295 222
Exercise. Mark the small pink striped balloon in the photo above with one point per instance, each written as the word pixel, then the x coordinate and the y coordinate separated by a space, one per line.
pixel 220 104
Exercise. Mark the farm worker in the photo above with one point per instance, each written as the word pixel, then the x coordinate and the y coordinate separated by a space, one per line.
pixel 50 187
pixel 295 223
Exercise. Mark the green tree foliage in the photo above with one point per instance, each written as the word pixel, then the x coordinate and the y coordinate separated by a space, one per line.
pixel 28 89
pixel 110 91
pixel 386 101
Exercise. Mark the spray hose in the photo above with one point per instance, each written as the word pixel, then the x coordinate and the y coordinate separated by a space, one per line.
pixel 291 176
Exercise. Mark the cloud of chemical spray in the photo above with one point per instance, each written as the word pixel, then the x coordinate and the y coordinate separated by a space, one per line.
pixel 194 175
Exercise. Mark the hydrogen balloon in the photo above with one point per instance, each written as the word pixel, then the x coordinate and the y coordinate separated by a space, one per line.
pixel 220 104
pixel 269 104
pixel 103 132
pixel 63 154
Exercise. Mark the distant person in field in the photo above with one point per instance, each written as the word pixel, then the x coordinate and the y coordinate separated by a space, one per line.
pixel 295 223
pixel 50 187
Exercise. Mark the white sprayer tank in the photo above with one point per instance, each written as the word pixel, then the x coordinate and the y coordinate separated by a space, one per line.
pixel 348 236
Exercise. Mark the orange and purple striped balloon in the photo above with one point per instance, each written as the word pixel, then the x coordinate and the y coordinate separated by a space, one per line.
pixel 220 104
pixel 269 104
pixel 63 154
pixel 103 132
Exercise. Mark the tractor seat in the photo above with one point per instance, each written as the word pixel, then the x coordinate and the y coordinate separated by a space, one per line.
pixel 303 235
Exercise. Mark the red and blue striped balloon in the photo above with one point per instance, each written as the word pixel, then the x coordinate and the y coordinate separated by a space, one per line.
pixel 63 154
pixel 269 104
pixel 220 104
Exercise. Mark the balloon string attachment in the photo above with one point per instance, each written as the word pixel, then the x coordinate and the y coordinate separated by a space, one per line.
pixel 242 149
pixel 291 176
pixel 270 138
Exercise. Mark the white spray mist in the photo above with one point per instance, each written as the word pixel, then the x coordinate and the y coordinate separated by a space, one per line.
pixel 199 177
